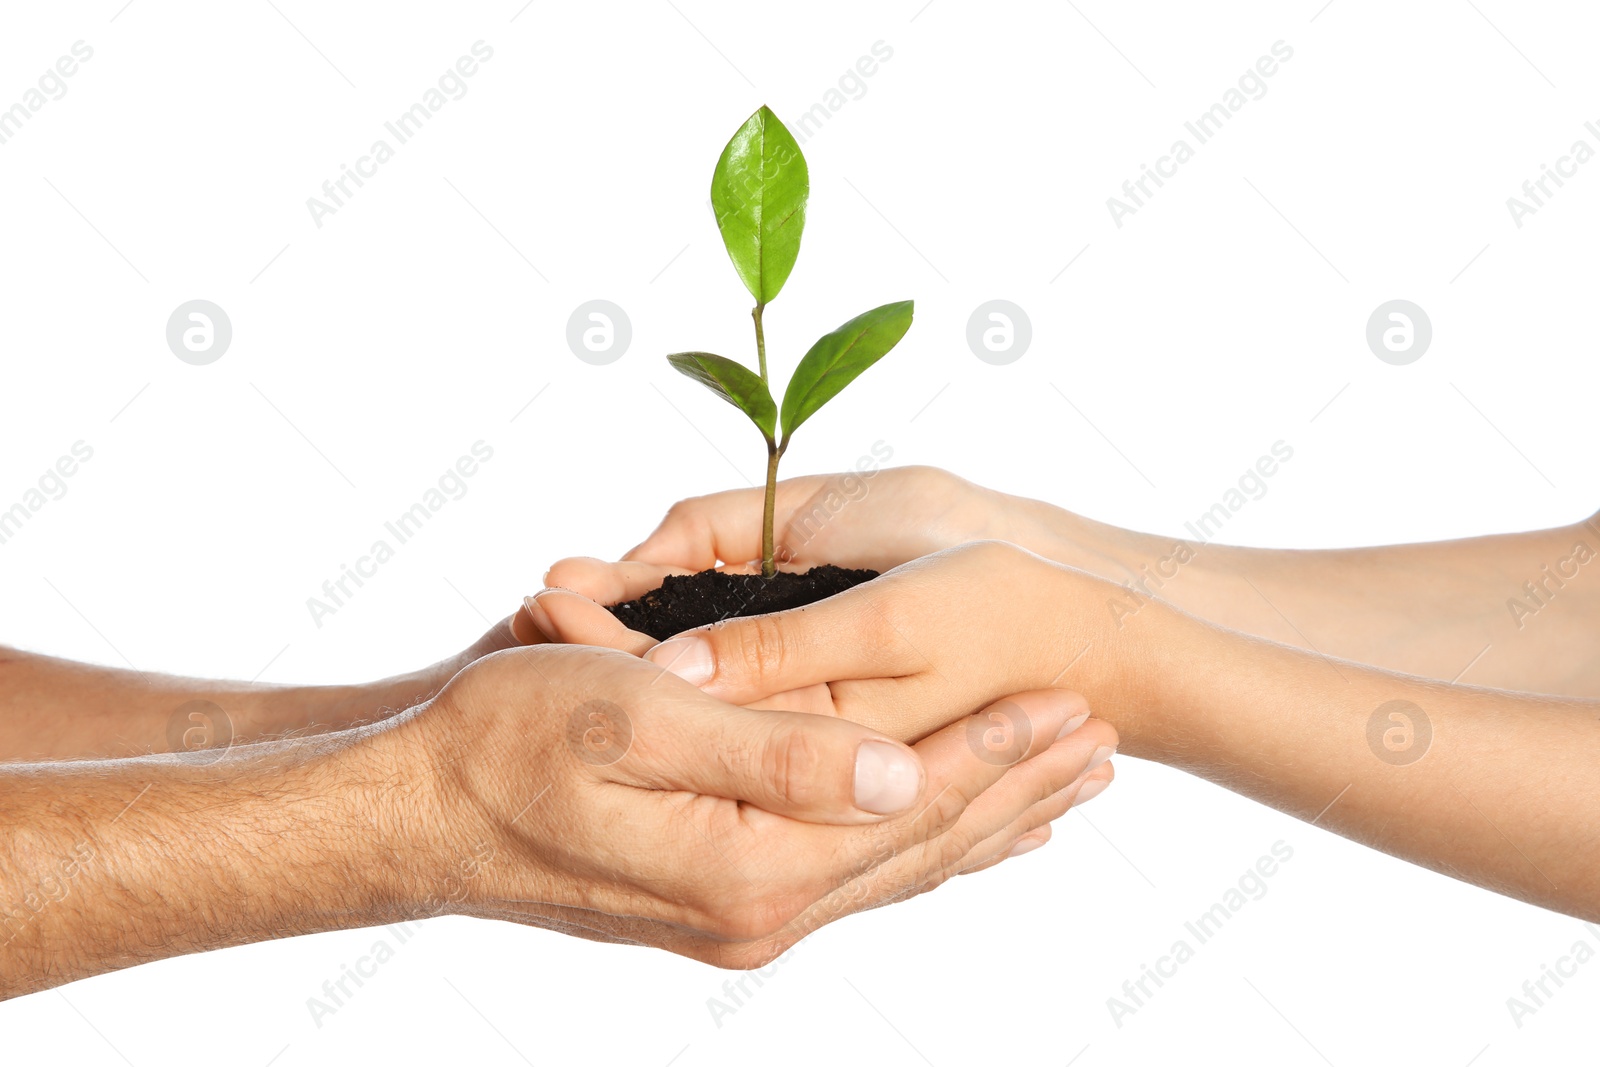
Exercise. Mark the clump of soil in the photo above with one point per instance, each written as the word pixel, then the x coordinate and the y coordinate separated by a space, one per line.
pixel 685 602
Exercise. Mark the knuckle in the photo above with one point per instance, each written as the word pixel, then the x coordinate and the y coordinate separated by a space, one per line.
pixel 937 818
pixel 993 552
pixel 792 766
pixel 681 512
pixel 951 850
pixel 761 646
pixel 1075 703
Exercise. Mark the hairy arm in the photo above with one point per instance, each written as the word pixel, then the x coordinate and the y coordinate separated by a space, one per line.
pixel 56 709
pixel 107 864
pixel 565 788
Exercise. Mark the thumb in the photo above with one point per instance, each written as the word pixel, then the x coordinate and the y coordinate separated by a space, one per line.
pixel 565 617
pixel 814 768
pixel 698 532
pixel 842 638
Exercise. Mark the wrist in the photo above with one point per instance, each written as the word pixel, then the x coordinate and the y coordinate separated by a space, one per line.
pixel 1068 538
pixel 1128 649
pixel 434 838
pixel 386 811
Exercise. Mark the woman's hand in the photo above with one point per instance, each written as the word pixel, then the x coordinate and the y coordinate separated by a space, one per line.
pixel 874 519
pixel 904 653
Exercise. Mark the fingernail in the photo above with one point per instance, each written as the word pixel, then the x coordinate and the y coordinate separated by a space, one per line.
pixel 888 778
pixel 1091 789
pixel 1101 754
pixel 1023 847
pixel 540 617
pixel 1072 724
pixel 688 657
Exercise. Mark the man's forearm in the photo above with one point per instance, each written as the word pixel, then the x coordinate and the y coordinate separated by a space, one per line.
pixel 54 709
pixel 110 864
pixel 1510 611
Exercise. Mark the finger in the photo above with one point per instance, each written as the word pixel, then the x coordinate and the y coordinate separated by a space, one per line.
pixel 813 699
pixel 846 636
pixel 607 583
pixel 1041 740
pixel 1019 846
pixel 1004 845
pixel 1025 798
pixel 939 839
pixel 524 630
pixel 811 768
pixel 697 533
pixel 564 616
pixel 1061 767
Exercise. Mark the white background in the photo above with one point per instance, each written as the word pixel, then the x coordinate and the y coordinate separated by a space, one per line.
pixel 369 354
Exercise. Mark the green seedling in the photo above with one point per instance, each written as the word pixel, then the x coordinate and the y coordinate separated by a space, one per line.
pixel 758 193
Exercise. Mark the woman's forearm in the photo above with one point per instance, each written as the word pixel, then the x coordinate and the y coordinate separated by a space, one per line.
pixel 1492 787
pixel 1512 611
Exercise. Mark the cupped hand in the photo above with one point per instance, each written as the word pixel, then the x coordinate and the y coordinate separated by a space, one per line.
pixel 592 792
pixel 905 653
pixel 875 519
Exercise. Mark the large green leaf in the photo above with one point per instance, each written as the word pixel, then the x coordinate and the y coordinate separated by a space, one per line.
pixel 758 192
pixel 839 357
pixel 733 382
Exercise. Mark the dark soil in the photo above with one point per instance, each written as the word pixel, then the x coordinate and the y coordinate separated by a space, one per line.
pixel 685 602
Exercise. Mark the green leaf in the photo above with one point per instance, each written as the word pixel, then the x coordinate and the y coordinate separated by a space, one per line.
pixel 759 192
pixel 839 357
pixel 733 382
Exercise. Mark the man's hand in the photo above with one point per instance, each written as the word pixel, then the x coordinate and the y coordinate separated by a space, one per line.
pixel 619 802
pixel 578 789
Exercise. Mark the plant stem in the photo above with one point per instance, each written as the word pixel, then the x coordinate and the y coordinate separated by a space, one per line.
pixel 761 341
pixel 769 566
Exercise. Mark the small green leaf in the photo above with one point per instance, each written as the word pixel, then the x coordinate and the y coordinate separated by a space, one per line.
pixel 733 382
pixel 759 192
pixel 839 357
